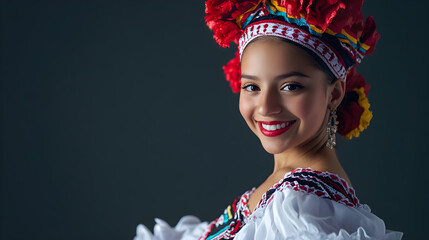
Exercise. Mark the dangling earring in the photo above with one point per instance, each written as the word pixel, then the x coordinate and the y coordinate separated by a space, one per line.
pixel 332 128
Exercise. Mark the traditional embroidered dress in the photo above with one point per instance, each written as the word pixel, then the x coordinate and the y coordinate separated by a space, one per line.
pixel 305 204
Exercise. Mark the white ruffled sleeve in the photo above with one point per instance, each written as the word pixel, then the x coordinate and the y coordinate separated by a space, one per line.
pixel 297 215
pixel 188 228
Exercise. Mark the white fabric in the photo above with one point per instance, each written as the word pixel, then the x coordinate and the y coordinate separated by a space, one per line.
pixel 297 215
pixel 291 215
pixel 188 228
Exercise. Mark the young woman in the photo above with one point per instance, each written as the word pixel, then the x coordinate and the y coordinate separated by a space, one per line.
pixel 298 87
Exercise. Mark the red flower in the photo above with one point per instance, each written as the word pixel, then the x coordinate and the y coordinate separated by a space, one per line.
pixel 293 7
pixel 349 111
pixel 232 72
pixel 228 10
pixel 356 80
pixel 370 35
pixel 356 29
pixel 349 117
pixel 347 16
pixel 321 13
pixel 221 17
pixel 218 8
pixel 226 32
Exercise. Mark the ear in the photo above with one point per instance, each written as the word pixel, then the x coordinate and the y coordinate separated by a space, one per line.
pixel 337 91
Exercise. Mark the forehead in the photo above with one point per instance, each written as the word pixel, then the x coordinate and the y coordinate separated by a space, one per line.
pixel 276 54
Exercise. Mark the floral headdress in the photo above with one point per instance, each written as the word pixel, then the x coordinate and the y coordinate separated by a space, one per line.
pixel 332 29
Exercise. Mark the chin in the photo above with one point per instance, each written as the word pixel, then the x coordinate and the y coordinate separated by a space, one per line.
pixel 275 148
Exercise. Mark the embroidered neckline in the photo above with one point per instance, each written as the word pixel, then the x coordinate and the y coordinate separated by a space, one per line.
pixel 331 186
pixel 323 184
pixel 242 206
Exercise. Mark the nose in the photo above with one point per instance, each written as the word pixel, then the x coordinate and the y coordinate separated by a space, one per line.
pixel 269 103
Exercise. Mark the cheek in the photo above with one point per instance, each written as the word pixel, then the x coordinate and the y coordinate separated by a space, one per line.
pixel 309 108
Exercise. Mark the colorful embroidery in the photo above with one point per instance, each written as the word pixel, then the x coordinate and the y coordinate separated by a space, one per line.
pixel 292 33
pixel 322 184
pixel 231 221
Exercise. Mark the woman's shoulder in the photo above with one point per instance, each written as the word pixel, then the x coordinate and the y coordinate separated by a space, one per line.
pixel 313 205
pixel 305 181
pixel 322 184
pixel 295 214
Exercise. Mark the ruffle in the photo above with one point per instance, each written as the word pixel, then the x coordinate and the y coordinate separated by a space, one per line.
pixel 322 184
pixel 297 215
pixel 188 228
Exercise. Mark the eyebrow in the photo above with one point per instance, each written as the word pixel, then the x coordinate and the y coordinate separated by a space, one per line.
pixel 282 76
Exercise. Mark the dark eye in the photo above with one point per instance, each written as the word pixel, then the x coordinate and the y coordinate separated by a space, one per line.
pixel 292 87
pixel 250 88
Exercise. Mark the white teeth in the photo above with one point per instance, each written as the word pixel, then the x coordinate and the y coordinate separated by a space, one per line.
pixel 275 126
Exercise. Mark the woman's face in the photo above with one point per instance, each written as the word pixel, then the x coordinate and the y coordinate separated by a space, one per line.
pixel 285 95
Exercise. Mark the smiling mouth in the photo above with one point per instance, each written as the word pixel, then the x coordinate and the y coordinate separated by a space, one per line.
pixel 275 128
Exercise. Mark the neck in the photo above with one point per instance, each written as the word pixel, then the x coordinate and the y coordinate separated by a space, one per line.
pixel 312 154
pixel 322 160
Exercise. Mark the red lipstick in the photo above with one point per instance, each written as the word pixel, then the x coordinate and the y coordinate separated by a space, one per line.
pixel 275 128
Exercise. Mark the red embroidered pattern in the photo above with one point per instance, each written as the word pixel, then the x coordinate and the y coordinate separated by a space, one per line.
pixel 231 221
pixel 322 184
pixel 292 33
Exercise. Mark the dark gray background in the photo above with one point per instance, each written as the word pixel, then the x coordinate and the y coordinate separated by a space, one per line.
pixel 114 113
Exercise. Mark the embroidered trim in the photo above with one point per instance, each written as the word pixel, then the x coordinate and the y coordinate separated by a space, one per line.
pixel 322 184
pixel 297 35
pixel 231 221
